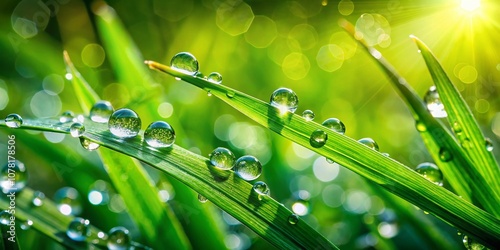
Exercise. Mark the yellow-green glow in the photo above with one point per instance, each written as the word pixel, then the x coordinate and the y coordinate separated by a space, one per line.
pixel 470 5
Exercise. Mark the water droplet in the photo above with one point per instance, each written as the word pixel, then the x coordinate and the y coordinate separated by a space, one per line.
pixel 308 115
pixel 25 225
pixel 13 121
pixel 248 167
pixel 431 172
pixel 293 219
pixel 209 93
pixel 335 125
pixel 66 116
pixel 13 176
pixel 78 229
pixel 118 239
pixel 457 129
pixel 88 145
pixel 488 144
pixel 99 193
pixel 420 126
pixel 329 160
pixel 472 244
pixel 261 189
pixel 200 75
pixel 369 142
pixel 68 201
pixel 124 123
pixel 222 158
pixel 230 94
pixel 5 217
pixel 77 129
pixel 214 77
pixel 184 62
pixel 38 198
pixel 159 134
pixel 318 138
pixel 101 111
pixel 466 143
pixel 445 155
pixel 434 104
pixel 285 100
pixel 202 198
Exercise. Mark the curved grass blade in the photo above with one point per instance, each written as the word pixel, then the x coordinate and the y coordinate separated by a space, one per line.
pixel 392 175
pixel 157 223
pixel 458 169
pixel 463 123
pixel 267 217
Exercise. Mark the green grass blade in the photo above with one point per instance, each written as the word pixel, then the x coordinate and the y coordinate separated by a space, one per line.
pixel 463 123
pixel 268 218
pixel 366 162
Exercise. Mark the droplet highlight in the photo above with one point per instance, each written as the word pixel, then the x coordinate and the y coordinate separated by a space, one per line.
pixel 335 125
pixel 118 239
pixel 222 158
pixel 159 134
pixel 38 199
pixel 202 198
pixel 124 123
pixel 369 142
pixel 293 219
pixel 101 112
pixel 445 155
pixel 318 138
pixel 25 225
pixel 78 229
pixel 489 144
pixel 13 121
pixel 431 172
pixel 285 100
pixel 184 62
pixel 434 104
pixel 308 115
pixel 248 167
pixel 77 129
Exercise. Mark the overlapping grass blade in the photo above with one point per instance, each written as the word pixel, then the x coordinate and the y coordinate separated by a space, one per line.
pixel 463 124
pixel 156 222
pixel 368 163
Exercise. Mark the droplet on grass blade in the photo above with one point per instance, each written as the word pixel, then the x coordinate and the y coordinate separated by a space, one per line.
pixel 434 104
pixel 215 77
pixel 118 238
pixel 38 198
pixel 184 62
pixel 318 138
pixel 78 229
pixel 222 158
pixel 335 125
pixel 369 142
pixel 293 219
pixel 445 155
pixel 248 167
pixel 489 144
pixel 13 177
pixel 13 121
pixel 202 198
pixel 101 111
pixel 159 134
pixel 88 144
pixel 67 116
pixel 124 123
pixel 431 172
pixel 308 115
pixel 77 129
pixel 285 100
pixel 68 201
pixel 5 217
pixel 261 189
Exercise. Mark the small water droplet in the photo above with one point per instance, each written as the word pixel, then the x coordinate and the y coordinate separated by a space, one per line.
pixel 222 158
pixel 293 219
pixel 66 116
pixel 124 123
pixel 308 115
pixel 25 225
pixel 78 229
pixel 184 62
pixel 489 144
pixel 285 100
pixel 68 201
pixel 118 238
pixel 200 75
pixel 209 93
pixel 324 2
pixel 466 143
pixel 99 193
pixel 77 129
pixel 177 78
pixel 457 129
pixel 214 77
pixel 88 144
pixel 101 111
pixel 420 126
pixel 431 172
pixel 445 155
pixel 230 93
pixel 318 138
pixel 386 154
pixel 13 121
pixel 13 177
pixel 202 198
pixel 369 142
pixel 38 198
pixel 159 134
pixel 5 217
pixel 261 189
pixel 335 125
pixel 434 104
pixel 248 167
pixel 472 244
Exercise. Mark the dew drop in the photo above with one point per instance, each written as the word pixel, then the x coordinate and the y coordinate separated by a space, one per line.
pixel 434 104
pixel 293 219
pixel 318 138
pixel 215 77
pixel 209 93
pixel 13 121
pixel 261 189
pixel 88 144
pixel 159 134
pixel 466 143
pixel 285 100
pixel 25 225
pixel 184 62
pixel 118 238
pixel 202 198
pixel 78 229
pixel 329 160
pixel 38 198
pixel 66 116
pixel 445 155
pixel 124 123
pixel 77 129
pixel 5 217
pixel 420 126
pixel 369 142
pixel 431 172
pixel 248 167
pixel 68 201
pixel 308 115
pixel 101 111
pixel 222 158
pixel 472 244
pixel 488 144
pixel 230 93
pixel 335 125
pixel 457 129
pixel 13 177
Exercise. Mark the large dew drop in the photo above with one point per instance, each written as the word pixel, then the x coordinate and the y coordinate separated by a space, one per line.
pixel 308 115
pixel 431 172
pixel 285 100
pixel 159 134
pixel 222 158
pixel 248 167
pixel 335 125
pixel 78 229
pixel 369 142
pixel 118 239
pixel 124 123
pixel 88 145
pixel 13 177
pixel 77 129
pixel 434 104
pixel 101 111
pixel 215 77
pixel 184 62
pixel 261 189
pixel 68 201
pixel 318 138
pixel 13 121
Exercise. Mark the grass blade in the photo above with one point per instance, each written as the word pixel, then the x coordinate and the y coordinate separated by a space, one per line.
pixel 366 162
